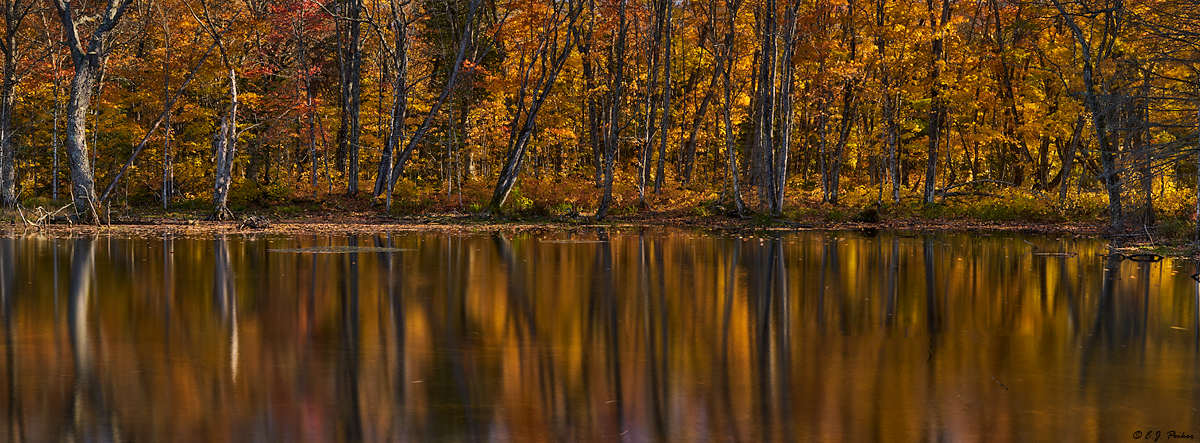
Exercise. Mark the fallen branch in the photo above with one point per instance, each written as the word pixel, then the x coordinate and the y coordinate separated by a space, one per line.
pixel 945 192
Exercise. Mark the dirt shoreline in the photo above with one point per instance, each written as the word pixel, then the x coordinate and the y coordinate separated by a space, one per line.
pixel 367 224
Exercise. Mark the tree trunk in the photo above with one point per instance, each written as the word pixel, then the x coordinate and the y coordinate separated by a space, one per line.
pixel 823 149
pixel 550 60
pixel 225 149
pixel 730 149
pixel 15 12
pixel 83 185
pixel 689 147
pixel 786 111
pixel 839 151
pixel 168 172
pixel 665 127
pixel 399 112
pixel 892 130
pixel 168 178
pixel 612 115
pixel 351 93
pixel 773 105
pixel 1068 160
pixel 162 117
pixel 1004 69
pixel 54 142
pixel 831 163
pixel 937 111
pixel 309 97
pixel 452 80
pixel 763 140
pixel 1141 145
pixel 1109 175
pixel 723 54
pixel 654 55
pixel 87 62
pixel 583 39
pixel 8 173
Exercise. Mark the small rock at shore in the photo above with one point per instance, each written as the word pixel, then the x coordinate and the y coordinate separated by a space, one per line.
pixel 869 215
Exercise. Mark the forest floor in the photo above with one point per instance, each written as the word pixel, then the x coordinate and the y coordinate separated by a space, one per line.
pixel 344 215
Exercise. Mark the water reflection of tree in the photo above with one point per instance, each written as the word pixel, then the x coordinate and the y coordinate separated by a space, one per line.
pixel 8 294
pixel 655 322
pixel 770 305
pixel 391 265
pixel 529 338
pixel 225 298
pixel 349 411
pixel 731 248
pixel 657 335
pixel 602 340
pixel 1121 316
pixel 456 348
pixel 91 414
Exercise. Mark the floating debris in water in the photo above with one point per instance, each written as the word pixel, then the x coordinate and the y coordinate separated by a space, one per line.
pixel 255 222
pixel 1055 254
pixel 339 249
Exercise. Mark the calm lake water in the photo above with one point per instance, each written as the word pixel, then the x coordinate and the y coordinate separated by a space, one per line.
pixel 594 335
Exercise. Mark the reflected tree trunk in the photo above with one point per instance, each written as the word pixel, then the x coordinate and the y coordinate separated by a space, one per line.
pixel 932 325
pixel 12 374
pixel 932 313
pixel 1196 313
pixel 529 334
pixel 349 411
pixel 91 418
pixel 604 332
pixel 783 340
pixel 225 298
pixel 168 264
pixel 893 269
pixel 451 327
pixel 654 332
pixel 731 252
pixel 392 265
pixel 765 265
pixel 1102 329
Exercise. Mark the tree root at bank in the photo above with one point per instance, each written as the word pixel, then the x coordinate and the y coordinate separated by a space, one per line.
pixel 222 213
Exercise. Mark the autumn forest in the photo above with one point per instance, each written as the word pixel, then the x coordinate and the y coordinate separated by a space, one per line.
pixel 601 105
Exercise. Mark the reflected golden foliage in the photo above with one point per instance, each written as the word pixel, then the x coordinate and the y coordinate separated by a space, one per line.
pixel 595 335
